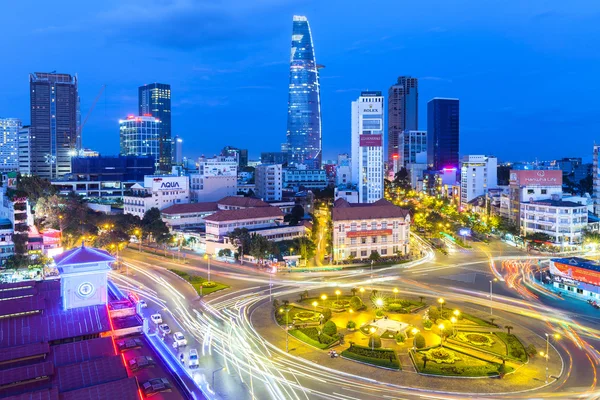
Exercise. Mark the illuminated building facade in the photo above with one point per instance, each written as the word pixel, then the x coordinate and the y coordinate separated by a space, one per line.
pixel 139 136
pixel 403 115
pixel 155 101
pixel 9 134
pixel 442 133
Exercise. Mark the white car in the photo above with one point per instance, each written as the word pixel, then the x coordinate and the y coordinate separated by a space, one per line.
pixel 164 328
pixel 143 303
pixel 179 340
pixel 193 358
pixel 156 318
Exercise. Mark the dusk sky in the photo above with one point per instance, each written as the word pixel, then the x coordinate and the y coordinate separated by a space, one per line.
pixel 526 72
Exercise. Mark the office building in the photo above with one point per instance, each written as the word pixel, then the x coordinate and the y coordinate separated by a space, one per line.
pixel 273 157
pixel 304 178
pixel 9 143
pixel 531 186
pixel 216 178
pixel 442 133
pixel 112 168
pixel 304 101
pixel 596 179
pixel 362 229
pixel 240 154
pixel 413 145
pixel 24 150
pixel 563 221
pixel 477 175
pixel 139 136
pixel 177 151
pixel 367 146
pixel 155 101
pixel 269 182
pixel 53 131
pixel 158 191
pixel 576 277
pixel 403 115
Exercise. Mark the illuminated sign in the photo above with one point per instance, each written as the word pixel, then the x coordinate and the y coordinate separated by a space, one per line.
pixel 170 185
pixel 575 273
pixel 375 232
pixel 540 178
pixel 370 108
pixel 371 140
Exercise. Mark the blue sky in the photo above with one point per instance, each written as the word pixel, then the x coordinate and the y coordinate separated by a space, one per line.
pixel 526 72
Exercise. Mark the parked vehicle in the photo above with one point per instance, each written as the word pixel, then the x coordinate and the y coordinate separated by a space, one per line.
pixel 179 340
pixel 156 318
pixel 164 328
pixel 193 358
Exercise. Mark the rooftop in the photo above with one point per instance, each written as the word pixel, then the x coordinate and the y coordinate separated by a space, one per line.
pixel 343 211
pixel 245 213
pixel 190 208
pixel 243 202
pixel 555 203
pixel 82 255
pixel 579 262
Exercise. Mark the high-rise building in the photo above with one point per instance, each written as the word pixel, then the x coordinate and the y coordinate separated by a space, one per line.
pixel 413 145
pixel 24 150
pixel 216 178
pixel 403 115
pixel 177 151
pixel 9 143
pixel 273 157
pixel 269 182
pixel 442 133
pixel 367 146
pixel 155 101
pixel 140 136
pixel 53 136
pixel 477 175
pixel 240 154
pixel 304 101
pixel 596 179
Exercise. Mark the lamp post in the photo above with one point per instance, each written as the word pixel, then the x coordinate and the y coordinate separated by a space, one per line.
pixel 337 294
pixel 207 257
pixel 138 233
pixel 315 304
pixel 372 261
pixel 441 301
pixel 453 320
pixel 395 293
pixel 372 330
pixel 362 291
pixel 441 328
pixel 287 327
pixel 555 336
pixel 492 296
pixel 323 297
pixel 213 375
pixel 414 332
pixel 60 218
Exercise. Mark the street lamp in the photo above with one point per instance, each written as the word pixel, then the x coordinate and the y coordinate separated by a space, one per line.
pixel 362 291
pixel 395 293
pixel 547 355
pixel 441 301
pixel 456 313
pixel 414 332
pixel 441 328
pixel 379 303
pixel 372 330
pixel 453 320
pixel 287 327
pixel 138 233
pixel 323 297
pixel 337 293
pixel 492 296
pixel 207 257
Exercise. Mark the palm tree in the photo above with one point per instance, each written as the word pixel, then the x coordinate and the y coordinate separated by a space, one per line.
pixel 285 303
pixel 421 298
pixel 353 291
pixel 508 328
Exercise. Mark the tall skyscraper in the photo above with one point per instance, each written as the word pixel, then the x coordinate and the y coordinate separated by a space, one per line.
pixel 240 154
pixel 367 146
pixel 24 145
pixel 177 150
pixel 413 146
pixel 442 133
pixel 53 131
pixel 596 179
pixel 155 101
pixel 9 140
pixel 403 115
pixel 139 136
pixel 304 101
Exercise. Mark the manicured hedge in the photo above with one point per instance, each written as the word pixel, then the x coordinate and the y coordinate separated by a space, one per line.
pixel 514 345
pixel 379 357
pixel 303 337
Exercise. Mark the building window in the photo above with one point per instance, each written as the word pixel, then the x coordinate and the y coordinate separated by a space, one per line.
pixel 363 240
pixel 374 239
pixel 363 253
pixel 353 254
pixel 353 241
pixel 384 225
pixel 579 291
pixel 383 252
pixel 544 191
pixel 373 225
pixel 353 226
pixel 561 286
pixel 363 226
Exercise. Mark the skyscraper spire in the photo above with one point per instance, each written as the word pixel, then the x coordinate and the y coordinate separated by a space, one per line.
pixel 304 101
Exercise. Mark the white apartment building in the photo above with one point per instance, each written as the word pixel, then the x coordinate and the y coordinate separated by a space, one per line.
pixel 268 180
pixel 9 149
pixel 367 146
pixel 159 191
pixel 360 229
pixel 532 185
pixel 564 221
pixel 414 147
pixel 477 175
pixel 306 178
pixel 216 178
pixel 24 151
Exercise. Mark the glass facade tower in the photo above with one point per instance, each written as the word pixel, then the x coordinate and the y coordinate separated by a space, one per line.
pixel 155 100
pixel 403 115
pixel 139 136
pixel 442 133
pixel 304 101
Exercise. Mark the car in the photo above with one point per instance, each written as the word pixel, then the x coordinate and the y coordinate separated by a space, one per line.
pixel 143 303
pixel 141 362
pixel 164 328
pixel 179 340
pixel 193 358
pixel 157 385
pixel 129 344
pixel 156 318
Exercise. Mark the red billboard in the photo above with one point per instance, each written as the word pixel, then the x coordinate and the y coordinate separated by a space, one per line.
pixel 575 273
pixel 539 177
pixel 371 140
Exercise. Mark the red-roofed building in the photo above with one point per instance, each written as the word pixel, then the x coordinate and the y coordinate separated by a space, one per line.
pixel 363 228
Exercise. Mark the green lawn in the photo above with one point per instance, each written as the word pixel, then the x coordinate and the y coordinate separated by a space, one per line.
pixel 378 357
pixel 496 345
pixel 516 349
pixel 201 285
pixel 466 366
pixel 299 315
pixel 476 320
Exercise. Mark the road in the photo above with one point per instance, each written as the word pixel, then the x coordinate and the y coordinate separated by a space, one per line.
pixel 221 325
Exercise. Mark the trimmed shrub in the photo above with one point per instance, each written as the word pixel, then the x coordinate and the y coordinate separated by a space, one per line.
pixel 434 313
pixel 375 341
pixel 420 341
pixel 531 350
pixel 400 338
pixel 382 357
pixel 325 338
pixel 427 323
pixel 380 313
pixel 356 303
pixel 351 325
pixel 312 333
pixel 330 328
pixel 396 307
pixel 326 314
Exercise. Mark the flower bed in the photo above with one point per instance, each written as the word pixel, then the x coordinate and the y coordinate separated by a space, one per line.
pixel 514 345
pixel 463 365
pixel 477 339
pixel 201 285
pixel 441 355
pixel 340 304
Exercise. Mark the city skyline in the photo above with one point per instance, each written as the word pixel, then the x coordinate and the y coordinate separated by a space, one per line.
pixel 242 77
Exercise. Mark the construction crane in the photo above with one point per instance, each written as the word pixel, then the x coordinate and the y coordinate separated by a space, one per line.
pixel 90 111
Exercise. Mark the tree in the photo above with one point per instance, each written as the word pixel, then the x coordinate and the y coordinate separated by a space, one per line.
pixel 400 338
pixel 420 341
pixel 304 295
pixel 240 237
pixel 330 328
pixel 35 187
pixel 326 314
pixel 225 253
pixel 374 341
pixel 153 226
pixel 508 328
pixel 356 303
pixel 306 247
pixel 260 247
pixel 539 237
pixel 351 325
pixel 374 257
pixel 402 179
pixel 353 291
pixel 421 299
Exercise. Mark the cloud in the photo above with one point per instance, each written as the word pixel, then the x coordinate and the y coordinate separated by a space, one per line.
pixel 435 78
pixel 347 90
